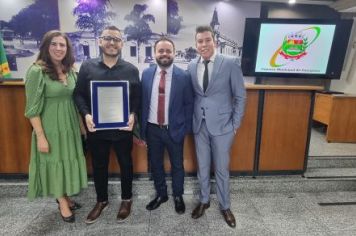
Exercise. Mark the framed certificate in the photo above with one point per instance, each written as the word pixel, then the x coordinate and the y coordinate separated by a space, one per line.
pixel 110 104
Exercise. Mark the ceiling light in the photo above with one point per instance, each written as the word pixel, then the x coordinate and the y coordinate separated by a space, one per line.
pixel 291 1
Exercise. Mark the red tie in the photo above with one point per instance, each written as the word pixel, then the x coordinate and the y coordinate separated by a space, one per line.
pixel 161 98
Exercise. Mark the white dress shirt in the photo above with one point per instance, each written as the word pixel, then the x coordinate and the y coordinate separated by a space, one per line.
pixel 201 69
pixel 152 117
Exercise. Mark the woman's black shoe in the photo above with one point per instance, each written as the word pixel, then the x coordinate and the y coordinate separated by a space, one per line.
pixel 73 207
pixel 69 219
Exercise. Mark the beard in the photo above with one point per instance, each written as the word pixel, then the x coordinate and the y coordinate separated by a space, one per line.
pixel 162 63
pixel 108 52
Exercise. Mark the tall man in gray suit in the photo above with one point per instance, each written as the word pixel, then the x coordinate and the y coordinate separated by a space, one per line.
pixel 220 97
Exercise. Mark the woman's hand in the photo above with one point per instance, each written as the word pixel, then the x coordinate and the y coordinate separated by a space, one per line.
pixel 42 144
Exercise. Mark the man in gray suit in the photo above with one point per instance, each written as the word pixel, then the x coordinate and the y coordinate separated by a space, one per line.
pixel 219 104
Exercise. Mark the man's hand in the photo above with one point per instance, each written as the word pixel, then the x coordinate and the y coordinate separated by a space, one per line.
pixel 89 122
pixel 130 124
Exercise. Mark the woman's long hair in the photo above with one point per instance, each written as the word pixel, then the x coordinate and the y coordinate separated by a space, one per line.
pixel 44 58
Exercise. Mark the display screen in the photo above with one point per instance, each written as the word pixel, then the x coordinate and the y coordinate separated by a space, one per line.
pixel 294 48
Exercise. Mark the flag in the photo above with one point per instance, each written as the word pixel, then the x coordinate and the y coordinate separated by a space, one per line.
pixel 4 66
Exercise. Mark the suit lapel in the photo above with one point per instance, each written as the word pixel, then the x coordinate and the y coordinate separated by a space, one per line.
pixel 195 76
pixel 174 85
pixel 150 76
pixel 216 68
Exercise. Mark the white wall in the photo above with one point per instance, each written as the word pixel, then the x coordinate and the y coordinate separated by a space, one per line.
pixel 347 83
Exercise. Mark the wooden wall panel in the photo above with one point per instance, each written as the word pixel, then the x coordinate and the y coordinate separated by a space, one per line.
pixel 284 133
pixel 284 130
pixel 140 161
pixel 15 132
pixel 342 124
pixel 322 108
pixel 189 157
pixel 243 148
pixel 338 112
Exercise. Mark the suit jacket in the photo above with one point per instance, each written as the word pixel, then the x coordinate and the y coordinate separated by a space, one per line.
pixel 180 109
pixel 224 99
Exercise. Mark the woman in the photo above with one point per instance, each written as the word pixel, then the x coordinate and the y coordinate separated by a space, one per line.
pixel 57 166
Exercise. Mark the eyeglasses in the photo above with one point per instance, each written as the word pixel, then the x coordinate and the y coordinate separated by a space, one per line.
pixel 109 39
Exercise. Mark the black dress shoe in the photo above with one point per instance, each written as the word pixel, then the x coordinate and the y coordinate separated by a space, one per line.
pixel 73 207
pixel 155 203
pixel 229 218
pixel 179 205
pixel 200 209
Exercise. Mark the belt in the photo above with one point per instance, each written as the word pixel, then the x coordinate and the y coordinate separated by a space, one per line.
pixel 158 126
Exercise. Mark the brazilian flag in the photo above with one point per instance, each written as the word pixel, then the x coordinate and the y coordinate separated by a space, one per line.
pixel 4 66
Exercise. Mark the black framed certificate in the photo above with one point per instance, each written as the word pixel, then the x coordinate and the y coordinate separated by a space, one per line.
pixel 110 104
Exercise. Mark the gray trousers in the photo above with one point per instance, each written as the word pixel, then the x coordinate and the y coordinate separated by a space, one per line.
pixel 216 148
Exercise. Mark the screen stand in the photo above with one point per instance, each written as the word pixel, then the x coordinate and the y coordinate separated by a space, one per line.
pixel 258 80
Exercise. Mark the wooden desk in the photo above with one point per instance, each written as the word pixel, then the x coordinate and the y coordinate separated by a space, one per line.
pixel 338 112
pixel 273 137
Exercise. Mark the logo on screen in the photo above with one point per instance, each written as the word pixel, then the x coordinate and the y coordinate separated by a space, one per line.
pixel 294 46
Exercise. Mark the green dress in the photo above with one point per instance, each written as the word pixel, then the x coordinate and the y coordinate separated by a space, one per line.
pixel 63 169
